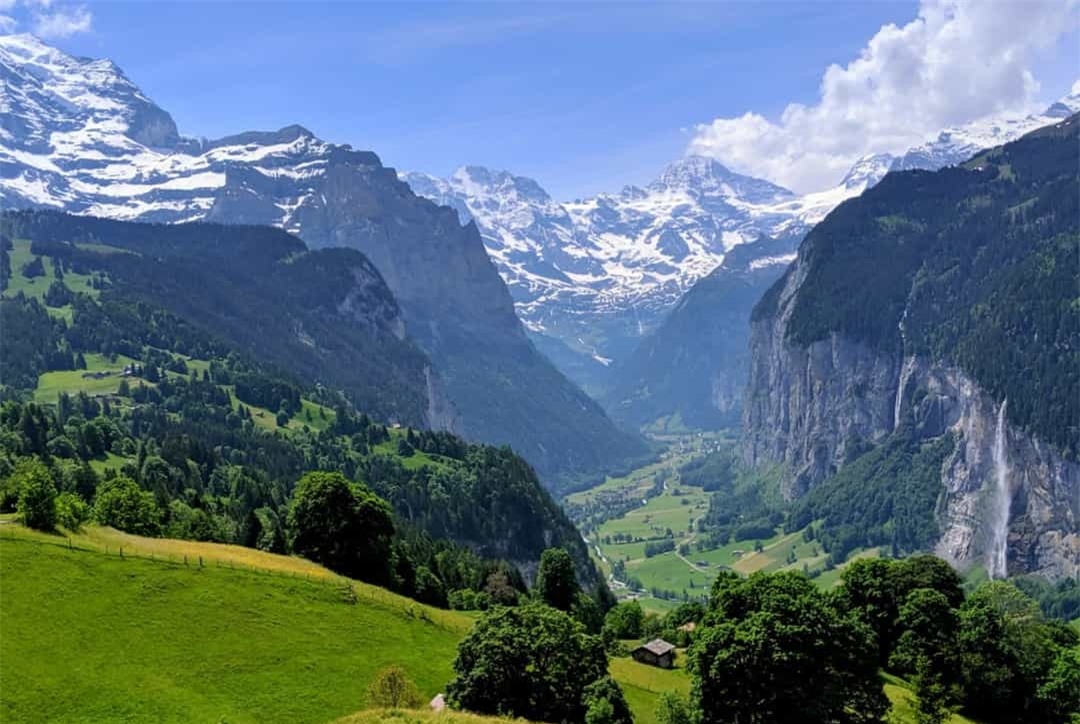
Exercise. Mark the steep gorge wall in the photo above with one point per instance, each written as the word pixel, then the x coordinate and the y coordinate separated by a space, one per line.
pixel 812 408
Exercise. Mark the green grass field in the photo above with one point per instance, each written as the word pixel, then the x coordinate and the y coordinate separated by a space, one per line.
pixel 903 703
pixel 399 716
pixel 678 508
pixel 37 286
pixel 101 377
pixel 642 686
pixel 99 638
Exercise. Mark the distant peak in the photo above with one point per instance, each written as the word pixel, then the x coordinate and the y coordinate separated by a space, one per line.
pixel 868 170
pixel 708 176
pixel 697 167
pixel 293 132
pixel 1067 105
pixel 499 178
pixel 27 46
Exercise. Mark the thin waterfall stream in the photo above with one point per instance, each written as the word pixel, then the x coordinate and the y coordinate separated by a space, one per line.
pixel 1002 501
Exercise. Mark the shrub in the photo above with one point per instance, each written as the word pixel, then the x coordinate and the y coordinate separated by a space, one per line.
pixel 673 709
pixel 393 689
pixel 71 511
pixel 37 494
pixel 122 504
pixel 605 703
pixel 532 661
pixel 342 525
pixel 625 620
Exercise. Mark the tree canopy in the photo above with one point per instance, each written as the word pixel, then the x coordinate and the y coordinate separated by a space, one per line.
pixel 774 648
pixel 533 662
pixel 342 525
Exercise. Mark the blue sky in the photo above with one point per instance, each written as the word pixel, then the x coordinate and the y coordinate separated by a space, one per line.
pixel 582 97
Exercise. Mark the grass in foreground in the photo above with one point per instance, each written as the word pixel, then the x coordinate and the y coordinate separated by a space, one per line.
pixel 902 699
pixel 642 685
pixel 98 638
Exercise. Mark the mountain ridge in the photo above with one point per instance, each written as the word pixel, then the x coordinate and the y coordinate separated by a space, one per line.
pixel 591 278
pixel 455 304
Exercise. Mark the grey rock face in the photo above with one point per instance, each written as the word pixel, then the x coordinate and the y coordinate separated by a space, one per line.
pixel 806 407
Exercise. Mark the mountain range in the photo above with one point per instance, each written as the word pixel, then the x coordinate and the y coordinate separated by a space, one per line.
pixel 77 135
pixel 601 284
pixel 591 278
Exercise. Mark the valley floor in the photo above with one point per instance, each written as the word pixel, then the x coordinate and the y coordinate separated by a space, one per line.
pixel 651 505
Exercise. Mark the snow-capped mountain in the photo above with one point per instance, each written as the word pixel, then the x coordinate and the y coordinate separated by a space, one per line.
pixel 590 277
pixel 594 275
pixel 958 144
pixel 79 136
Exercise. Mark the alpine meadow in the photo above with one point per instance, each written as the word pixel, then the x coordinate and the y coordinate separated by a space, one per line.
pixel 318 406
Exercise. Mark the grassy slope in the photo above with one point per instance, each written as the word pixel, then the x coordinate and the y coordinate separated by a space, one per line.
pixel 668 571
pixel 903 703
pixel 99 638
pixel 642 685
pixel 397 716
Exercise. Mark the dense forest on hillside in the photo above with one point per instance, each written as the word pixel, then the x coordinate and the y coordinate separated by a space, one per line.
pixel 976 265
pixel 320 316
pixel 102 383
pixel 884 497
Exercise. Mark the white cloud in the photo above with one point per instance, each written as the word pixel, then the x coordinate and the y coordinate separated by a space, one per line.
pixel 62 22
pixel 45 18
pixel 956 62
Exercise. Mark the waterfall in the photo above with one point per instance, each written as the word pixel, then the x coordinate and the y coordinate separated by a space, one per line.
pixel 906 369
pixel 998 565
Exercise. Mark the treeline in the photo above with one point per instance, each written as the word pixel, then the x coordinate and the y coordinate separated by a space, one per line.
pixel 189 440
pixel 775 648
pixel 738 508
pixel 160 311
pixel 185 442
pixel 48 479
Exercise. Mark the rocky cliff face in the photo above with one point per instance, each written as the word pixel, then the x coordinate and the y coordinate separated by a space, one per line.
pixel 808 408
pixel 1008 499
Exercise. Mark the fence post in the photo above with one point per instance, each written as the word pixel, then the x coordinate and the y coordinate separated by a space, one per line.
pixel 121 551
pixel 200 562
pixel 185 559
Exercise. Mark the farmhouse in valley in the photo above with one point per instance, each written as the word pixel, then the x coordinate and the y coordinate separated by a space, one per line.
pixel 655 653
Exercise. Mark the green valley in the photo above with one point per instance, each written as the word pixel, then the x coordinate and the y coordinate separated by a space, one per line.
pixel 663 532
